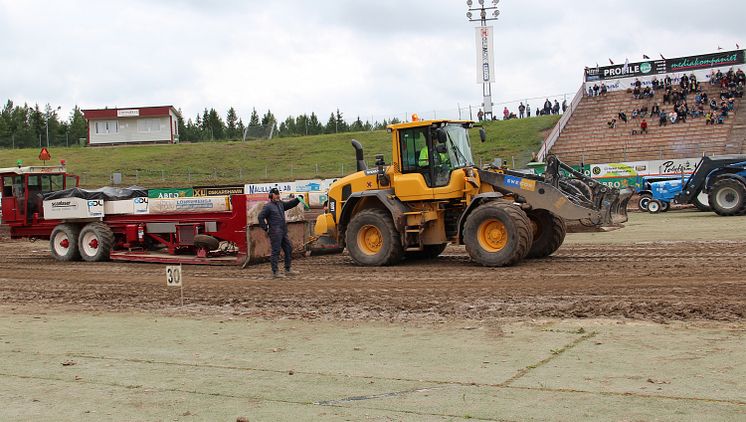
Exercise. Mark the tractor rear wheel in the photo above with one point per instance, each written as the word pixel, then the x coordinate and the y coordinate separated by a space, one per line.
pixel 429 252
pixel 95 242
pixel 549 232
pixel 497 234
pixel 665 206
pixel 64 242
pixel 372 239
pixel 727 197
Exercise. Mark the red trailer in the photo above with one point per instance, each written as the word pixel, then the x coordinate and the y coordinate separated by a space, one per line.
pixel 190 232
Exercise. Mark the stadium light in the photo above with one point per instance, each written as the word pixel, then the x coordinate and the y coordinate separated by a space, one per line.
pixel 481 10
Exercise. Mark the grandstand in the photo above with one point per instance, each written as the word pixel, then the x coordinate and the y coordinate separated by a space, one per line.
pixel 583 135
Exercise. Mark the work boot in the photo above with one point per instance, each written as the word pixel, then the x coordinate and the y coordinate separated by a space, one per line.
pixel 277 274
pixel 291 273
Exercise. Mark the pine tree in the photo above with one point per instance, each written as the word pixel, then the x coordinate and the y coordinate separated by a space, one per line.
pixel 231 120
pixel 357 125
pixel 341 124
pixel 314 126
pixel 77 126
pixel 254 119
pixel 331 125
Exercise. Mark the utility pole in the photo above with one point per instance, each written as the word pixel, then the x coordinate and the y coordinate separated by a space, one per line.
pixel 485 73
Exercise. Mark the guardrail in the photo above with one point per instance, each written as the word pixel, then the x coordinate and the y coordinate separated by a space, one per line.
pixel 555 133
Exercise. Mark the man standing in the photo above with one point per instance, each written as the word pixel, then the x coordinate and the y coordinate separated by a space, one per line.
pixel 272 221
pixel 521 110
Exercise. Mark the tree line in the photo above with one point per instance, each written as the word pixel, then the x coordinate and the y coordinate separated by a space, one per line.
pixel 24 126
pixel 210 125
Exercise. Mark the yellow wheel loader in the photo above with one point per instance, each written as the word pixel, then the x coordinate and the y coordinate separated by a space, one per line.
pixel 432 194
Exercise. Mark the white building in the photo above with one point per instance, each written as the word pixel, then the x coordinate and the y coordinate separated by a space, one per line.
pixel 111 126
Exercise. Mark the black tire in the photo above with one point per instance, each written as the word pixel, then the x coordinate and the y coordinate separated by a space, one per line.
pixel 642 203
pixel 385 250
pixel 727 197
pixel 549 232
pixel 518 234
pixel 429 252
pixel 95 242
pixel 665 206
pixel 699 202
pixel 63 243
pixel 655 206
pixel 206 241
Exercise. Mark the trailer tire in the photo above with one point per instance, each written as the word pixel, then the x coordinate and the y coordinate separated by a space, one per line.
pixel 95 242
pixel 372 239
pixel 727 197
pixel 642 203
pixel 429 252
pixel 498 234
pixel 63 243
pixel 549 232
pixel 206 241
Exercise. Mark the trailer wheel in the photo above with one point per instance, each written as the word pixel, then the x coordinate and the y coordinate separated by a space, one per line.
pixel 95 242
pixel 642 203
pixel 549 232
pixel 655 206
pixel 64 242
pixel 429 252
pixel 372 239
pixel 497 234
pixel 727 197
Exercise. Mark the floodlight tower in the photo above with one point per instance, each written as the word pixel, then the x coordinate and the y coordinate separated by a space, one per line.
pixel 485 72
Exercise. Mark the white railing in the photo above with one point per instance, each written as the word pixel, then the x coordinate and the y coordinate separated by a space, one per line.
pixel 560 126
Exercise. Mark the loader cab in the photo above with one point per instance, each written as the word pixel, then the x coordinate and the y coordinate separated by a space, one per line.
pixel 23 189
pixel 427 154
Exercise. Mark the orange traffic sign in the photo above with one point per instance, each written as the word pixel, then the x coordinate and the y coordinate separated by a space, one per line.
pixel 44 155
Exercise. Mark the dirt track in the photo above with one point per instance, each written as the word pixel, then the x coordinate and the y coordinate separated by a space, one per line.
pixel 653 281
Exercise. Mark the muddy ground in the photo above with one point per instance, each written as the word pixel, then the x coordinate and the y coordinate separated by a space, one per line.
pixel 656 281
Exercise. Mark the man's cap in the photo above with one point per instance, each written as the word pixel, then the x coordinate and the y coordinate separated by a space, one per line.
pixel 274 191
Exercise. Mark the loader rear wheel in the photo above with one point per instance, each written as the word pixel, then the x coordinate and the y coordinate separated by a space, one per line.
pixel 372 239
pixel 549 232
pixel 429 252
pixel 727 197
pixel 95 242
pixel 64 242
pixel 497 234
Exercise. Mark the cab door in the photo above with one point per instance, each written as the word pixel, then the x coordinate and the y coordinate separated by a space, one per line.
pixel 11 185
pixel 415 180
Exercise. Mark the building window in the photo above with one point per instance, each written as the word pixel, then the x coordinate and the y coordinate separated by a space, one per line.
pixel 149 125
pixel 102 127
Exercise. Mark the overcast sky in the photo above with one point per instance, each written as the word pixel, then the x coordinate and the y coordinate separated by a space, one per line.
pixel 369 58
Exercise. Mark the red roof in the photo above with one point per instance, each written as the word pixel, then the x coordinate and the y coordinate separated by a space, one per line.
pixel 113 113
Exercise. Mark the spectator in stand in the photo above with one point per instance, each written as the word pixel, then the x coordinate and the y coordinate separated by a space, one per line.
pixel 705 99
pixel 721 119
pixel 713 104
pixel 698 110
pixel 638 84
pixel 667 82
pixel 480 115
pixel 740 76
pixel 556 107
pixel 709 119
pixel 547 107
pixel 635 112
pixel 731 104
pixel 656 83
pixel 643 111
pixel 698 98
pixel 647 92
pixel 622 116
pixel 684 83
pixel 528 110
pixel 564 106
pixel 655 110
pixel 644 126
pixel 724 109
pixel 662 118
pixel 521 110
pixel 636 93
pixel 506 113
pixel 611 123
pixel 604 89
pixel 590 91
pixel 682 112
pixel 739 90
pixel 672 116
pixel 667 96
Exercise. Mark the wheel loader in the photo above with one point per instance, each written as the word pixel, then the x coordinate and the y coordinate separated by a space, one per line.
pixel 433 194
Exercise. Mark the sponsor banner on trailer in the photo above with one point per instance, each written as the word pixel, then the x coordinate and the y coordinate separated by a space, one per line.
pixel 218 190
pixel 252 188
pixel 170 193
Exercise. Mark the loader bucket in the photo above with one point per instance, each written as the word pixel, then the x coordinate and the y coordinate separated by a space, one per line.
pixel 615 208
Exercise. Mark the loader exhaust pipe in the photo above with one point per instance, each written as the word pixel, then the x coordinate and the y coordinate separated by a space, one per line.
pixel 359 158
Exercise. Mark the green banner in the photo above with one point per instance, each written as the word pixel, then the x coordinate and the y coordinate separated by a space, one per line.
pixel 170 193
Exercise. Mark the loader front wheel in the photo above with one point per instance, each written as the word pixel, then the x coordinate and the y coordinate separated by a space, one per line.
pixel 497 234
pixel 95 242
pixel 372 239
pixel 549 232
pixel 64 242
pixel 727 197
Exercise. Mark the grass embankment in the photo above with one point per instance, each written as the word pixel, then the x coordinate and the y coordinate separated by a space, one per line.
pixel 281 159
